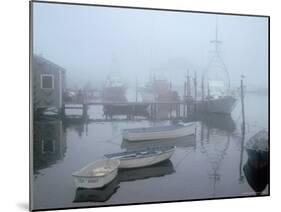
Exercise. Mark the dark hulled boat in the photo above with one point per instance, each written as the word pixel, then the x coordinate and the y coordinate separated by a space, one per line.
pixel 114 91
pixel 216 82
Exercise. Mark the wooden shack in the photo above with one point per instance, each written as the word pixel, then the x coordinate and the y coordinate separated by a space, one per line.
pixel 48 84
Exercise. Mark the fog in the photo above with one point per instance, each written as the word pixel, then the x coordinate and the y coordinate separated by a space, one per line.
pixel 94 42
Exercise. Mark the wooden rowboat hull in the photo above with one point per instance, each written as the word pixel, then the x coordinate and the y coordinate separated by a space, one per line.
pixel 142 158
pixel 180 131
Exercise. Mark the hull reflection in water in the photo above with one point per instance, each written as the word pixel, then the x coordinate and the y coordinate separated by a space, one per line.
pixel 223 122
pixel 221 105
pixel 96 195
pixel 159 170
pixel 104 194
pixel 258 178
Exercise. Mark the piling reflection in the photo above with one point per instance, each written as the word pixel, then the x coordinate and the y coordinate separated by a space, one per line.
pixel 80 127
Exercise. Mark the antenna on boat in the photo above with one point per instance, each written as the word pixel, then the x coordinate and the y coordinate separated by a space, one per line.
pixel 217 42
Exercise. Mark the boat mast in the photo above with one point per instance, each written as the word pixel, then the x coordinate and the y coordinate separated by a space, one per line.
pixel 217 42
pixel 217 58
pixel 188 86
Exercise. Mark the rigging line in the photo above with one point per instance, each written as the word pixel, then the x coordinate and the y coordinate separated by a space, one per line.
pixel 180 161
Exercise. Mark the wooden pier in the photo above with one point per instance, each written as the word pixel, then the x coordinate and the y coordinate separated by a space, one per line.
pixel 149 110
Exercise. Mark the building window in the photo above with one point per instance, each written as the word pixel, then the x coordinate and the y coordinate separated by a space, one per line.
pixel 47 81
pixel 48 146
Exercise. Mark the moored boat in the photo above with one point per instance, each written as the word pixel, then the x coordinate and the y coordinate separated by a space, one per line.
pixel 182 142
pixel 142 158
pixel 96 174
pixel 124 175
pixel 162 132
pixel 257 149
pixel 216 84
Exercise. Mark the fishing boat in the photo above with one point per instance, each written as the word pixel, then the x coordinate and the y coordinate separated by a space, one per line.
pixel 96 174
pixel 142 158
pixel 219 99
pixel 162 132
pixel 114 90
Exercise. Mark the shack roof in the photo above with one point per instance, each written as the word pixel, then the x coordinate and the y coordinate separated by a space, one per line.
pixel 41 60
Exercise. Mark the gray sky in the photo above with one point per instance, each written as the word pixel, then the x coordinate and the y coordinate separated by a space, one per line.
pixel 92 42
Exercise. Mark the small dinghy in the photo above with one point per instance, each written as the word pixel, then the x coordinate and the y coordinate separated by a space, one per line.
pixel 162 132
pixel 184 142
pixel 96 174
pixel 144 157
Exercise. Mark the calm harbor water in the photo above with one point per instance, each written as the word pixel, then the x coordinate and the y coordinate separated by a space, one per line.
pixel 210 164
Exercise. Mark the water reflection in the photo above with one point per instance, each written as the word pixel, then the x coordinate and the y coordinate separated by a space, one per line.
pixel 80 126
pixel 49 143
pixel 224 123
pixel 216 166
pixel 157 170
pixel 257 177
pixel 96 195
pixel 214 146
pixel 124 175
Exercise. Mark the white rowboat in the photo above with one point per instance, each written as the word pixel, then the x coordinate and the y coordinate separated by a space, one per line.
pixel 96 174
pixel 163 132
pixel 144 157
